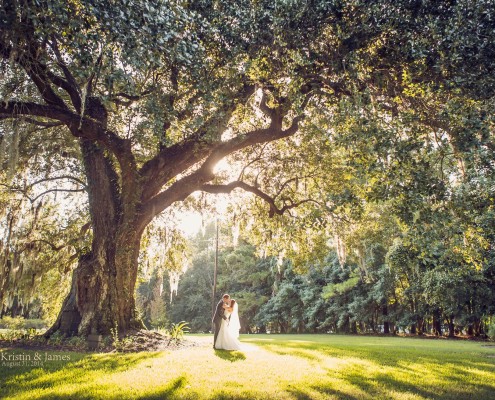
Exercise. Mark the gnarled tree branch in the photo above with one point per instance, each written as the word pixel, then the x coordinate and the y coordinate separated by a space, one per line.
pixel 17 109
pixel 196 180
pixel 170 161
pixel 229 187
pixel 69 84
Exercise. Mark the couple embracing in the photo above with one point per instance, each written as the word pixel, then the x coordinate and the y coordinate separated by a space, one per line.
pixel 227 325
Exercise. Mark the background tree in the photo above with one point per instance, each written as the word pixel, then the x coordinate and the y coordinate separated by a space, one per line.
pixel 38 248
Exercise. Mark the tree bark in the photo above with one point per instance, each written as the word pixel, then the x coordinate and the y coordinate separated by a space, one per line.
pixel 102 293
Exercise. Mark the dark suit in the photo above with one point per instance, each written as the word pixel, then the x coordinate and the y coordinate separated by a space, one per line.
pixel 217 319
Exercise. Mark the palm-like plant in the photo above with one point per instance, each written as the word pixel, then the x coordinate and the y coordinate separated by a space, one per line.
pixel 177 331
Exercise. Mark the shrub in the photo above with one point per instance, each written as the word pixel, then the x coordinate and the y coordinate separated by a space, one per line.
pixel 56 339
pixel 35 324
pixel 21 323
pixel 177 331
pixel 12 323
pixel 11 335
pixel 77 342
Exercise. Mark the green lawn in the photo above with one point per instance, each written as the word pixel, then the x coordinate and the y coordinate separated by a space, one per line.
pixel 269 367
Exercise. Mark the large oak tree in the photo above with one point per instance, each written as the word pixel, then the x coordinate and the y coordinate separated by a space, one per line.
pixel 156 93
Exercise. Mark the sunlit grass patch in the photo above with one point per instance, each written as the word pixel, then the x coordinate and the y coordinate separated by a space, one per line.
pixel 389 367
pixel 270 367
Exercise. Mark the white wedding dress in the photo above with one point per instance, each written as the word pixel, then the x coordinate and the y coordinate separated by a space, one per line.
pixel 228 335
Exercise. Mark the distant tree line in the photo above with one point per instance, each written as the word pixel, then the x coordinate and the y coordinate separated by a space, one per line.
pixel 399 292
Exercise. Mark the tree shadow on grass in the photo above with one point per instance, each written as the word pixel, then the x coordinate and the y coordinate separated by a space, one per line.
pixel 386 387
pixel 230 355
pixel 230 396
pixel 81 370
pixel 300 394
pixel 383 356
pixel 309 355
pixel 167 392
pixel 161 393
pixel 386 384
pixel 451 375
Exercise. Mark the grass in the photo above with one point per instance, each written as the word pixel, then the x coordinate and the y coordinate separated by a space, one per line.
pixel 268 367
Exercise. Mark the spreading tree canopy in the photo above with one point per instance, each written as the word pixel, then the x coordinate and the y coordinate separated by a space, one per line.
pixel 144 98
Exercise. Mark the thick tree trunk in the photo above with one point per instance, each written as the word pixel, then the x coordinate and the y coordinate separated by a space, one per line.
pixel 102 292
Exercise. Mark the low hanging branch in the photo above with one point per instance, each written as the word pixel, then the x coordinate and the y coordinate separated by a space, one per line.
pixel 24 191
pixel 55 178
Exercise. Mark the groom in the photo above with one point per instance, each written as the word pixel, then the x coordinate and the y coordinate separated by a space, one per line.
pixel 219 315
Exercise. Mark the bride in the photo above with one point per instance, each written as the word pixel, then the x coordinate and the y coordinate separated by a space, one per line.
pixel 228 335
